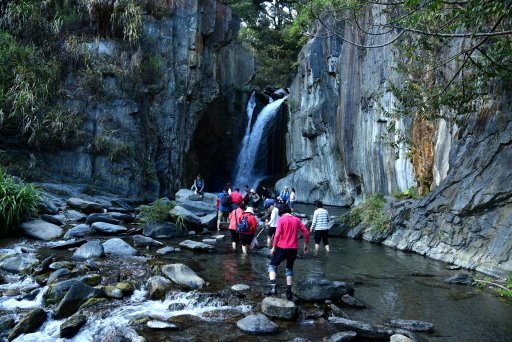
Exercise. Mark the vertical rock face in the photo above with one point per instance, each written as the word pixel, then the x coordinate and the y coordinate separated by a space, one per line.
pixel 139 131
pixel 336 149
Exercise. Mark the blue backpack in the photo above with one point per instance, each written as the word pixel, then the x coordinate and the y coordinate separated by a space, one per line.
pixel 243 225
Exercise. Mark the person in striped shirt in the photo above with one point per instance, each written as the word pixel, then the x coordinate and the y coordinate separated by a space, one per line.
pixel 320 226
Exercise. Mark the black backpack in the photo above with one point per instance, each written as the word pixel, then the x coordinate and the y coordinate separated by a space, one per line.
pixel 243 225
pixel 225 200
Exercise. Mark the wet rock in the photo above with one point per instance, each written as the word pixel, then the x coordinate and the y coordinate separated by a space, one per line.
pixel 18 263
pixel 400 338
pixel 240 288
pixel 107 228
pixel 342 336
pixel 165 250
pixel 57 291
pixel 125 217
pixel 80 230
pixel 177 306
pixel 209 241
pixel 101 217
pixel 77 295
pixel 61 273
pixel 143 241
pixel 191 218
pixel 29 323
pixel 6 323
pixel 71 216
pixel 412 325
pixel 319 289
pixel 280 308
pixel 72 326
pixel 336 311
pixel 160 325
pixel 41 230
pixel 44 266
pixel 52 219
pixel 118 334
pixel 66 244
pixel 93 303
pixel 351 301
pixel 163 230
pixel 127 287
pixel 461 279
pixel 195 245
pixel 364 329
pixel 83 206
pixel 158 287
pixel 183 194
pixel 117 246
pixel 61 264
pixel 257 324
pixel 183 275
pixel 2 279
pixel 111 291
pixel 91 249
pixel 209 221
pixel 300 339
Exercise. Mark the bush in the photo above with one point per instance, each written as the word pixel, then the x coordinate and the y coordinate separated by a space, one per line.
pixel 159 211
pixel 369 213
pixel 18 202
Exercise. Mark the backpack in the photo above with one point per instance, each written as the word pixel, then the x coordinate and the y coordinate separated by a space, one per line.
pixel 225 200
pixel 243 225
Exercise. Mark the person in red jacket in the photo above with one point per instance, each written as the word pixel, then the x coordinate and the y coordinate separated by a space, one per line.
pixel 285 246
pixel 246 237
pixel 234 219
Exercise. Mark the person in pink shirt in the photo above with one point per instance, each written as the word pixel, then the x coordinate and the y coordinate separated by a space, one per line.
pixel 285 246
pixel 234 218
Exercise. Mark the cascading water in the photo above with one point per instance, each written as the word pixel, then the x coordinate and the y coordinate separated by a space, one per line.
pixel 247 170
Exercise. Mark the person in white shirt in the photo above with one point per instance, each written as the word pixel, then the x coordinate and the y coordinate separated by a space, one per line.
pixel 293 198
pixel 271 223
pixel 320 226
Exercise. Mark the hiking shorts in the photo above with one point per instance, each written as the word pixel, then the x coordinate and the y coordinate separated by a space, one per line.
pixel 222 214
pixel 290 254
pixel 235 237
pixel 246 239
pixel 322 235
pixel 271 231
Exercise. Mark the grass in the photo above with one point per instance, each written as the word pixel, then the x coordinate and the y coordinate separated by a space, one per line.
pixel 18 202
pixel 502 290
pixel 159 211
pixel 370 213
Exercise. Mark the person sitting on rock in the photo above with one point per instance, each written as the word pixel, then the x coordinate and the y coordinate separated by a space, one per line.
pixel 198 185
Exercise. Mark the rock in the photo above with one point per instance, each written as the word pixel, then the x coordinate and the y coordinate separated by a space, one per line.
pixel 177 306
pixel 18 263
pixel 6 323
pixel 412 325
pixel 41 230
pixel 157 287
pixel 280 308
pixel 61 264
pixel 461 279
pixel 319 289
pixel 400 338
pixel 84 206
pixel 163 230
pixel 61 273
pixel 72 326
pixel 71 216
pixel 77 295
pixel 183 194
pixel 143 241
pixel 165 250
pixel 342 336
pixel 125 217
pixel 240 288
pixel 101 217
pixel 257 324
pixel 52 219
pixel 210 241
pixel 80 230
pixel 91 249
pixel 183 275
pixel 192 220
pixel 44 266
pixel 160 325
pixel 111 291
pixel 194 245
pixel 66 244
pixel 107 228
pixel 29 323
pixel 351 301
pixel 336 311
pixel 209 221
pixel 117 246
pixel 364 329
pixel 2 279
pixel 127 287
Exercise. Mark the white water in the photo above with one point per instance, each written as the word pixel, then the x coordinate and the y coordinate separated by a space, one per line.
pixel 137 306
pixel 247 172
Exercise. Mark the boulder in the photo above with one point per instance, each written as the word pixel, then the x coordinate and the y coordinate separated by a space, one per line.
pixel 183 194
pixel 257 324
pixel 72 326
pixel 280 308
pixel 191 219
pixel 195 245
pixel 319 289
pixel 143 241
pixel 161 325
pixel 158 287
pixel 209 221
pixel 41 230
pixel 83 206
pixel 111 291
pixel 165 250
pixel 52 219
pixel 400 338
pixel 91 249
pixel 364 329
pixel 461 279
pixel 71 216
pixel 29 323
pixel 412 325
pixel 80 230
pixel 101 217
pixel 6 323
pixel 240 288
pixel 117 246
pixel 163 230
pixel 183 275
pixel 55 276
pixel 18 263
pixel 77 295
pixel 351 301
pixel 342 336
pixel 107 228
pixel 122 216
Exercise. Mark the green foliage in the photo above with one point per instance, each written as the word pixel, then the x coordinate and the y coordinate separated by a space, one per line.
pixel 508 291
pixel 18 202
pixel 370 213
pixel 409 193
pixel 158 211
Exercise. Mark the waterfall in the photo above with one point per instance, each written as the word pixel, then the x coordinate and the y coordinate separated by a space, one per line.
pixel 247 170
